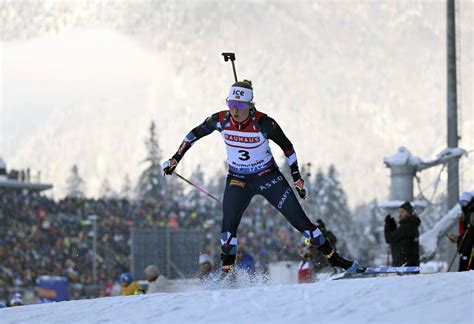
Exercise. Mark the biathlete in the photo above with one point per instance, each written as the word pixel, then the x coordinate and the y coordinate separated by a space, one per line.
pixel 252 170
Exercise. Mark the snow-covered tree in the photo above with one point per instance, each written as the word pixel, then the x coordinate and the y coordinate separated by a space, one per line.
pixel 331 207
pixel 106 190
pixel 150 185
pixel 307 204
pixel 318 182
pixel 196 199
pixel 216 187
pixel 75 185
pixel 126 190
pixel 369 245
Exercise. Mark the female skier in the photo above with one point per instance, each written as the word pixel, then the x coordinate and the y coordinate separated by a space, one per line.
pixel 252 170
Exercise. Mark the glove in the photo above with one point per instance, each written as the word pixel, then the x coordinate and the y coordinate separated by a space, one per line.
pixel 301 189
pixel 390 222
pixel 169 166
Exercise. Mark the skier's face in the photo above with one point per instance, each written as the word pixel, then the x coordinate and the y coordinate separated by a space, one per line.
pixel 239 115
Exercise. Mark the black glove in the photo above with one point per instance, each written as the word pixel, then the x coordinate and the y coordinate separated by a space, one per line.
pixel 390 223
pixel 301 189
pixel 169 166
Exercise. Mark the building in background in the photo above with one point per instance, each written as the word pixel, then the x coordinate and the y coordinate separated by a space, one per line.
pixel 20 180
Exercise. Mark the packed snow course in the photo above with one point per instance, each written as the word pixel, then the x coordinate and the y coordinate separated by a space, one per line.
pixel 427 298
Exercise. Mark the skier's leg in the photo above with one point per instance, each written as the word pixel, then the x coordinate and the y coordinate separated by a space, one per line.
pixel 278 192
pixel 237 196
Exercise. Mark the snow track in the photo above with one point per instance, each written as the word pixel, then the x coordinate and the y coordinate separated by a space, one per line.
pixel 427 298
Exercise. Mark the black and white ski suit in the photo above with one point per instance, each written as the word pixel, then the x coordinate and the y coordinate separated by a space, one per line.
pixel 253 171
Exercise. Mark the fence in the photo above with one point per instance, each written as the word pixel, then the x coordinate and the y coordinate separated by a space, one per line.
pixel 175 252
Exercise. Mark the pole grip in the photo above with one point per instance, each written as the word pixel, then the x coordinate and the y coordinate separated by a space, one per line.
pixel 231 56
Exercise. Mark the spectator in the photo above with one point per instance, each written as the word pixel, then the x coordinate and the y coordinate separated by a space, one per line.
pixel 466 232
pixel 41 236
pixel 244 261
pixel 404 239
pixel 129 287
pixel 16 300
pixel 306 268
pixel 206 269
pixel 156 282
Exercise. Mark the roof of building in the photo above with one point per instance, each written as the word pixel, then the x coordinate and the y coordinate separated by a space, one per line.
pixel 20 185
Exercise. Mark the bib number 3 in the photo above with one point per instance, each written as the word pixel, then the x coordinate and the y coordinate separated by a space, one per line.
pixel 244 155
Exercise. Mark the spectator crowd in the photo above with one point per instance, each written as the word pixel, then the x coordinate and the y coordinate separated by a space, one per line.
pixel 41 236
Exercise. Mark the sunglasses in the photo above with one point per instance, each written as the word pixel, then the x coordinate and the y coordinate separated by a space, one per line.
pixel 240 105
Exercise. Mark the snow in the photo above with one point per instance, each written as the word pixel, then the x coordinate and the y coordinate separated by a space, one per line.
pixel 443 157
pixel 389 204
pixel 403 156
pixel 451 152
pixel 429 239
pixel 431 298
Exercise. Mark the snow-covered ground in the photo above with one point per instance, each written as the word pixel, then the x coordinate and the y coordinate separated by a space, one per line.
pixel 427 298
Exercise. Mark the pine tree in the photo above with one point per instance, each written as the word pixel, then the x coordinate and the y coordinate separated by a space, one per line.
pixel 307 204
pixel 126 190
pixel 318 182
pixel 216 188
pixel 106 190
pixel 153 150
pixel 150 186
pixel 196 199
pixel 370 243
pixel 75 185
pixel 333 209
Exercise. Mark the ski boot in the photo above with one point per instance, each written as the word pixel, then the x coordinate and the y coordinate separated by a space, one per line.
pixel 228 274
pixel 351 267
pixel 334 258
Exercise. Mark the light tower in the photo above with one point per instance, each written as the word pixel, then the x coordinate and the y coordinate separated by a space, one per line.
pixel 403 168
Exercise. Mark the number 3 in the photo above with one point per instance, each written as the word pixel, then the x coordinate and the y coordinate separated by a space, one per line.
pixel 245 155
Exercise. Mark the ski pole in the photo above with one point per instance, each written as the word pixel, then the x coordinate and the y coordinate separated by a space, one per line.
pixel 196 186
pixel 452 261
pixel 457 252
pixel 231 57
pixel 388 256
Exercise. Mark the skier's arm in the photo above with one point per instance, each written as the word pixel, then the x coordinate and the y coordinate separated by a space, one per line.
pixel 205 128
pixel 275 133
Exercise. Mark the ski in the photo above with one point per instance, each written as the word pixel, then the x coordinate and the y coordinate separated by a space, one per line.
pixel 392 270
pixel 377 272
